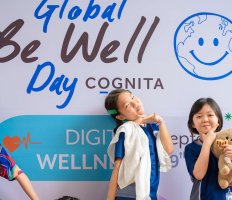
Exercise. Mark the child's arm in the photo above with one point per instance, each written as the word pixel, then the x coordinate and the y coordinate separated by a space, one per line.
pixel 201 165
pixel 113 185
pixel 165 137
pixel 27 186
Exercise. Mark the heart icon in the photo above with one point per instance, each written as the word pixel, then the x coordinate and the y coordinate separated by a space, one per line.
pixel 11 143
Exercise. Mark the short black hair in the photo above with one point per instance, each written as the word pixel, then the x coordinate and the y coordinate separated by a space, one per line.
pixel 68 198
pixel 197 106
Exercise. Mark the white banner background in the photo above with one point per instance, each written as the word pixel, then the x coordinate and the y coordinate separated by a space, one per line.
pixel 159 63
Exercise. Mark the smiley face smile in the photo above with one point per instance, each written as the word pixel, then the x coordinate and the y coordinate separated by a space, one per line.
pixel 208 63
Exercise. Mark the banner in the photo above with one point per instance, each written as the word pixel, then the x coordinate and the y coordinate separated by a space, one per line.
pixel 59 60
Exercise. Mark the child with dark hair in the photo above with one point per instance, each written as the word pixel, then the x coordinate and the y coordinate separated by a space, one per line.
pixel 139 150
pixel 68 198
pixel 205 118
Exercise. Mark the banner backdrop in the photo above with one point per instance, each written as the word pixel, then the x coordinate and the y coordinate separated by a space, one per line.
pixel 59 59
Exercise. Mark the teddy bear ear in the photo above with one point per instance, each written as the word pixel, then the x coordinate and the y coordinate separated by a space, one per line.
pixel 227 132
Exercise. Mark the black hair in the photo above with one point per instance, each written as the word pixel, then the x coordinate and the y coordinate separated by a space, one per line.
pixel 68 198
pixel 111 105
pixel 197 106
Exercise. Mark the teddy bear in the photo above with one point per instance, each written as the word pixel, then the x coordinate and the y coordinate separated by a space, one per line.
pixel 224 163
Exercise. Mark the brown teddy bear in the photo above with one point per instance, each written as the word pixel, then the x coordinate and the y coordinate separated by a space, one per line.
pixel 224 163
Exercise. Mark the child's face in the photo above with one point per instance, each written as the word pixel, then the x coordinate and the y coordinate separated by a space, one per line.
pixel 205 120
pixel 129 106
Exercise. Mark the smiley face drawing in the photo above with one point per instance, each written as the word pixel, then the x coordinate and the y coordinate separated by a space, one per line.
pixel 203 46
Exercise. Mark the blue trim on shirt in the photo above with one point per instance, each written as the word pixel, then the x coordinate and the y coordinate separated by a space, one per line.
pixel 119 146
pixel 151 131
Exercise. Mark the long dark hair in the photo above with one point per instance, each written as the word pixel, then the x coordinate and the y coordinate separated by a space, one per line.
pixel 112 107
pixel 197 106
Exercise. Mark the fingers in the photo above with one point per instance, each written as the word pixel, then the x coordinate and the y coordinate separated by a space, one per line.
pixel 227 148
pixel 209 138
pixel 145 119
pixel 148 119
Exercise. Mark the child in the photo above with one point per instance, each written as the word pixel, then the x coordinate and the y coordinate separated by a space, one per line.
pixel 134 149
pixel 10 171
pixel 205 119
pixel 68 198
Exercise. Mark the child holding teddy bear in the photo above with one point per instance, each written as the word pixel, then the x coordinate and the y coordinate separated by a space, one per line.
pixel 205 118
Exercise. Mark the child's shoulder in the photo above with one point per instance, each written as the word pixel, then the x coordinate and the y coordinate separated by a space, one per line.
pixel 128 124
pixel 129 127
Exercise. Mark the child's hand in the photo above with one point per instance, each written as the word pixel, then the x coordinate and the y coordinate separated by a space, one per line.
pixel 228 150
pixel 150 119
pixel 209 137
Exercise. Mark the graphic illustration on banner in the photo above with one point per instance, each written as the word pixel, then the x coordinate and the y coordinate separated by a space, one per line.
pixel 13 143
pixel 64 148
pixel 203 46
pixel 228 116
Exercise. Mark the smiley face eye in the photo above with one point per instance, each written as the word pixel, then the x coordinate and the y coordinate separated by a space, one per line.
pixel 215 42
pixel 227 138
pixel 201 41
